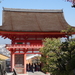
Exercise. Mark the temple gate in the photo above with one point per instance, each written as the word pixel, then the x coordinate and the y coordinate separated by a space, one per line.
pixel 26 28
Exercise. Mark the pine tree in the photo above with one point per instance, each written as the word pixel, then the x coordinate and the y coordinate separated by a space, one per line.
pixel 50 54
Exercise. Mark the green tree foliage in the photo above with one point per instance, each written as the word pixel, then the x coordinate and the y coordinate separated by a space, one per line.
pixel 69 31
pixel 68 55
pixel 58 58
pixel 50 54
pixel 68 49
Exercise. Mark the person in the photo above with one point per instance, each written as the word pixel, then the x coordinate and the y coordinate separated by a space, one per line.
pixel 36 67
pixel 33 67
pixel 27 67
pixel 30 67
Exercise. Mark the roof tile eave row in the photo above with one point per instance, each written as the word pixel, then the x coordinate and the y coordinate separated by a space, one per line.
pixel 30 31
pixel 31 10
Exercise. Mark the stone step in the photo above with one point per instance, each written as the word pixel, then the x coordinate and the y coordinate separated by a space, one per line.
pixel 30 73
pixel 17 74
pixel 37 73
pixel 9 74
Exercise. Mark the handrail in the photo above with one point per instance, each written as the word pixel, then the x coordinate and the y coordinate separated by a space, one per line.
pixel 14 72
pixel 23 46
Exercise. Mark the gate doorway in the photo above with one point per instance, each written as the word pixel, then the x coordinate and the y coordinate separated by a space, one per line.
pixel 19 63
pixel 33 63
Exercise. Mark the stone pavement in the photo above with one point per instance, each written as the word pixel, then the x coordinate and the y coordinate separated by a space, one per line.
pixel 9 73
pixel 31 73
pixel 37 73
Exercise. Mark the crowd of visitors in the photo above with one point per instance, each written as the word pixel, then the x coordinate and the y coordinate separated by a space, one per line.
pixel 33 67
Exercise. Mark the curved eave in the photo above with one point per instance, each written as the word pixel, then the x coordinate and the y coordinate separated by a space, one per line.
pixel 31 33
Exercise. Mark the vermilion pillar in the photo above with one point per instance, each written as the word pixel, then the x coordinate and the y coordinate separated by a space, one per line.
pixel 24 63
pixel 12 61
